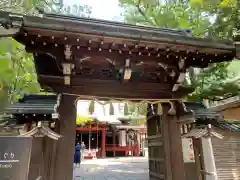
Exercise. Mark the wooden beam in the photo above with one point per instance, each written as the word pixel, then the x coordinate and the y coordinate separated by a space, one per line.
pixel 118 56
pixel 76 29
pixel 176 154
pixel 109 88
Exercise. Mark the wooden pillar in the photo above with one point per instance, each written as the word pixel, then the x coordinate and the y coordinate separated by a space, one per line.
pixel 65 146
pixel 49 158
pixel 175 141
pixel 165 145
pixel 42 161
pixel 103 144
pixel 36 161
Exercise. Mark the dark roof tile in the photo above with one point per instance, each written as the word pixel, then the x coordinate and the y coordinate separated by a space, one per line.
pixel 34 104
pixel 201 112
pixel 226 125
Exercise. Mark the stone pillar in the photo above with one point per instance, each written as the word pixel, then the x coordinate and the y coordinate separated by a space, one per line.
pixel 103 144
pixel 65 146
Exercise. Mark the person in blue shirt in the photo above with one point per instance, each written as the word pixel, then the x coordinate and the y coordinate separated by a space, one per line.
pixel 77 155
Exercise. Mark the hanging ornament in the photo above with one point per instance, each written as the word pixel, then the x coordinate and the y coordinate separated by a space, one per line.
pixel 91 107
pixel 143 108
pixel 125 109
pixel 159 109
pixel 111 109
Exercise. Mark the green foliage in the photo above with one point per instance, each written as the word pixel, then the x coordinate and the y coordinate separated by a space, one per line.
pixel 76 10
pixel 139 121
pixel 29 6
pixel 125 109
pixel 174 15
pixel 216 18
pixel 91 107
pixel 226 13
pixel 83 119
pixel 111 109
pixel 212 83
pixel 17 73
pixel 135 109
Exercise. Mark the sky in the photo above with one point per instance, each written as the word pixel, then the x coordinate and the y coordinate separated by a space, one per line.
pixel 101 9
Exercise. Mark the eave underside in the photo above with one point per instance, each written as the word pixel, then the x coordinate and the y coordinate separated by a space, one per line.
pixel 99 52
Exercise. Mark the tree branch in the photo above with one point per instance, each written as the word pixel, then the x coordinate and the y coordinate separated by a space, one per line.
pixel 143 14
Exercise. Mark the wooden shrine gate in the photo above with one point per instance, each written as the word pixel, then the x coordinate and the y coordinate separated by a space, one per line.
pixel 91 59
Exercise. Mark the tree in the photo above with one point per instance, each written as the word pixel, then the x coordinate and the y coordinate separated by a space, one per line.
pixel 226 15
pixel 202 17
pixel 17 73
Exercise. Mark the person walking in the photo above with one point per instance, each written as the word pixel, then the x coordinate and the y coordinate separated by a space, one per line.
pixel 77 155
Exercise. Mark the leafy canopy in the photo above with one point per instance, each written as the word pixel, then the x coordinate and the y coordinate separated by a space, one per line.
pixel 205 18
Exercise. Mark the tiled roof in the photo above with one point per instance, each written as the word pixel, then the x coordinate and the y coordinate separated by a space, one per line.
pixel 201 112
pixel 226 103
pixel 226 125
pixel 34 104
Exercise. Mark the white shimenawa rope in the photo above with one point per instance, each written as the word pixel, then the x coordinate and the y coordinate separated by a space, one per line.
pixel 108 100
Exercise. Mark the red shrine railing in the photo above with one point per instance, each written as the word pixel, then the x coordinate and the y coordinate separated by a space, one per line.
pixel 117 147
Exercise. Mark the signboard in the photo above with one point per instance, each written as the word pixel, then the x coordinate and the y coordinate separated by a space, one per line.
pixel 188 152
pixel 15 157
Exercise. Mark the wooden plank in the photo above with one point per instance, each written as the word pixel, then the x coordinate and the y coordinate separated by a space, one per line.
pixel 100 88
